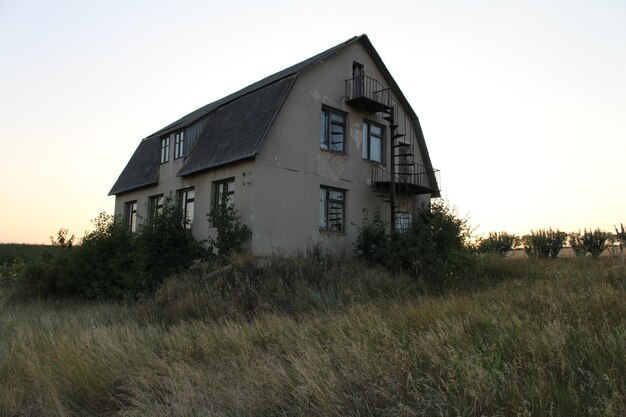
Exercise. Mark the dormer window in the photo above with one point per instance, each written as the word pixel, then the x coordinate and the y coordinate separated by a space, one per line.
pixel 165 149
pixel 179 145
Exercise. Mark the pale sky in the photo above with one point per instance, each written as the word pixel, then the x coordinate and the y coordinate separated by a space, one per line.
pixel 522 104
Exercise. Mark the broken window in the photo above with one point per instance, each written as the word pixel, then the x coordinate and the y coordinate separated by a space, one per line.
pixel 333 130
pixel 332 209
pixel 223 189
pixel 155 206
pixel 186 199
pixel 130 215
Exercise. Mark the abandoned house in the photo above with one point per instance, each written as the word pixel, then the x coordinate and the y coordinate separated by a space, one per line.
pixel 300 155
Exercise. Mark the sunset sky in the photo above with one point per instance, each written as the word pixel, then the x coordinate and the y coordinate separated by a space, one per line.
pixel 523 104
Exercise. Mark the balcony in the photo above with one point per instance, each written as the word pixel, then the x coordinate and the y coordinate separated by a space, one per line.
pixel 414 178
pixel 368 94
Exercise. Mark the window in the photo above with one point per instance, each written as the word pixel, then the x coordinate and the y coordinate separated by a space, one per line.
pixel 186 206
pixel 155 204
pixel 223 189
pixel 332 209
pixel 165 149
pixel 373 142
pixel 333 130
pixel 130 215
pixel 179 145
pixel 404 221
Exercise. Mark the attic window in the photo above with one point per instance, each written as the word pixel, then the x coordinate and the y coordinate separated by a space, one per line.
pixel 165 149
pixel 333 130
pixel 179 145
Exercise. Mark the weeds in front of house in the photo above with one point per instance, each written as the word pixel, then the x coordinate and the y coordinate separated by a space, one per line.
pixel 549 339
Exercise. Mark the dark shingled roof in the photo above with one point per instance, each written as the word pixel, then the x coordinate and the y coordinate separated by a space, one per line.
pixel 237 124
pixel 142 169
pixel 236 128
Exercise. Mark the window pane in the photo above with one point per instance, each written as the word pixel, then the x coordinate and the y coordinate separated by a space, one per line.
pixel 231 186
pixel 324 130
pixel 376 151
pixel 336 195
pixel 189 213
pixel 191 194
pixel 336 139
pixel 376 130
pixel 337 118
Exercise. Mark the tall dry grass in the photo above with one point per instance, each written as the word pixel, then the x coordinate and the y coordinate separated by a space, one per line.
pixel 549 339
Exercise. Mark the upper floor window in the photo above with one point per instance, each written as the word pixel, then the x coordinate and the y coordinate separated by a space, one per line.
pixel 372 141
pixel 130 215
pixel 165 149
pixel 332 209
pixel 155 206
pixel 186 200
pixel 333 130
pixel 179 145
pixel 224 189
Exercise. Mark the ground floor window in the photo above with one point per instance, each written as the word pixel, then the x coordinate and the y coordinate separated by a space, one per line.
pixel 186 205
pixel 155 205
pixel 404 221
pixel 223 189
pixel 332 209
pixel 130 215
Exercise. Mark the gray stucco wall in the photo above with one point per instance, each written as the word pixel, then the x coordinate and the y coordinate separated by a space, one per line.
pixel 277 193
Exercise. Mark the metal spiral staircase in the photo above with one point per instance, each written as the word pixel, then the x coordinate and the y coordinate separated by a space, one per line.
pixel 404 179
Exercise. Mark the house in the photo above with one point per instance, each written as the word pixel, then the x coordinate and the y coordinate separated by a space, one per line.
pixel 300 154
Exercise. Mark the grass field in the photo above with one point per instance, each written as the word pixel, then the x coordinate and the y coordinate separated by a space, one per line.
pixel 546 338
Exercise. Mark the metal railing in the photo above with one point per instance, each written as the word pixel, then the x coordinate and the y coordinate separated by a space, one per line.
pixel 413 176
pixel 364 87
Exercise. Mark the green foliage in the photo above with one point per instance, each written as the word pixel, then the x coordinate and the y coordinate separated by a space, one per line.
pixel 435 248
pixel 112 262
pixel 620 235
pixel 595 242
pixel 164 246
pixel 499 244
pixel 544 243
pixel 231 233
pixel 576 242
pixel 62 240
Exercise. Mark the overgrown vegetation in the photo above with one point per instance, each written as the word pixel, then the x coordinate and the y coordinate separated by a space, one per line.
pixel 498 243
pixel 434 249
pixel 110 261
pixel 231 233
pixel 548 339
pixel 544 243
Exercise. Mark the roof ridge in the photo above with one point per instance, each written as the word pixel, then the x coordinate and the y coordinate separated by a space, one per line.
pixel 255 86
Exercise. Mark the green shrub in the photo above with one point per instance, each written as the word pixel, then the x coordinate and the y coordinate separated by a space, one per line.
pixel 435 248
pixel 231 233
pixel 544 243
pixel 576 242
pixel 620 235
pixel 110 262
pixel 499 244
pixel 595 242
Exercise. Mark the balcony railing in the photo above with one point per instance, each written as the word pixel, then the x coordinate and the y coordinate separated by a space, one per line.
pixel 415 178
pixel 368 93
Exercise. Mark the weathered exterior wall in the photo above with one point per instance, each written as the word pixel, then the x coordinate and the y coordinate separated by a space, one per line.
pixel 277 193
pixel 169 184
pixel 291 167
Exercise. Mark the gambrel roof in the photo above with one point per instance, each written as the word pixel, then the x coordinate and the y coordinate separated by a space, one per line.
pixel 234 128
